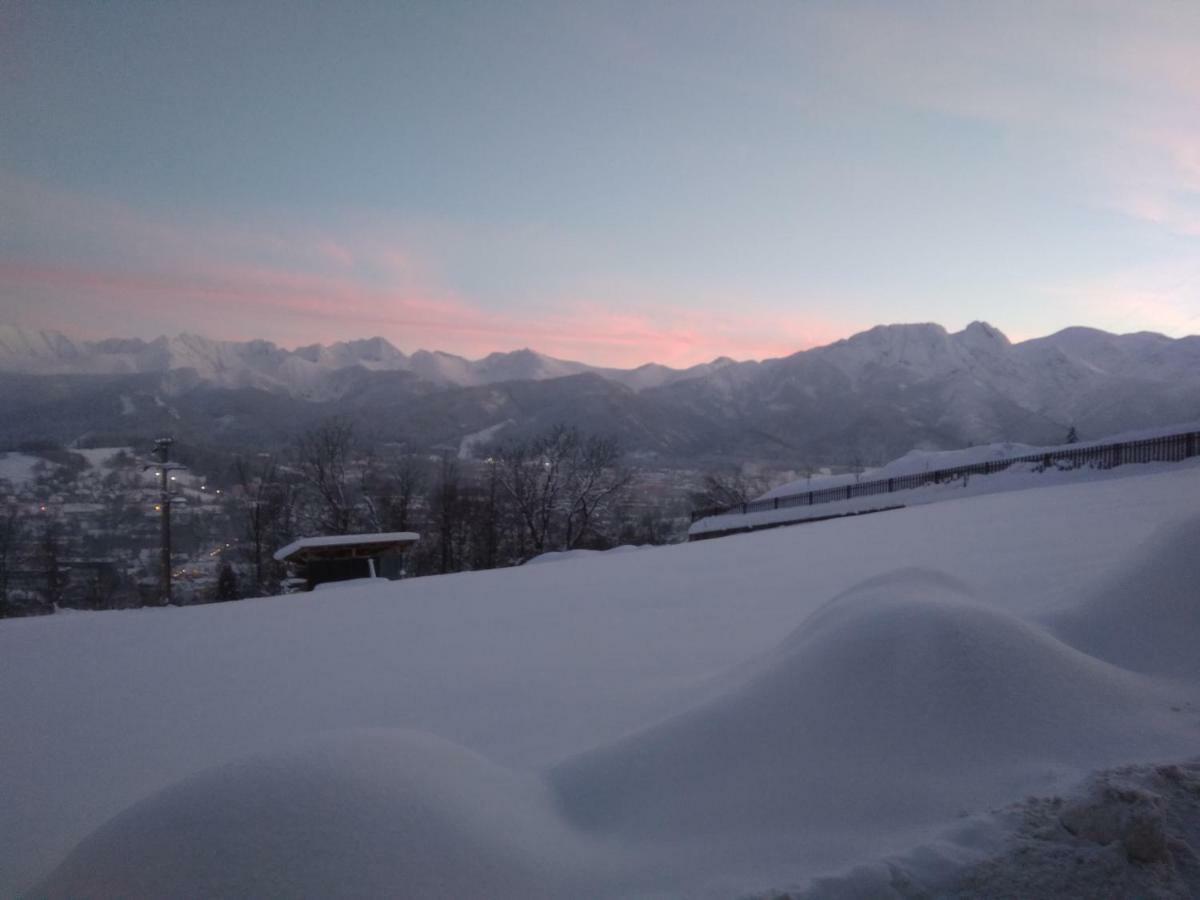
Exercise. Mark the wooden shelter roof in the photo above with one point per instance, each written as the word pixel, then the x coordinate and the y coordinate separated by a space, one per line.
pixel 346 545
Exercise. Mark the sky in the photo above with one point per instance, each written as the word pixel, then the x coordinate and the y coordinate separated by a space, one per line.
pixel 611 182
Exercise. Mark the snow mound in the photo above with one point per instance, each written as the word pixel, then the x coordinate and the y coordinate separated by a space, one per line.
pixel 581 553
pixel 363 813
pixel 900 701
pixel 1146 618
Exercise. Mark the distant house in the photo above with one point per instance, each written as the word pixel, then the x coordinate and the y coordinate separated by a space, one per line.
pixel 343 557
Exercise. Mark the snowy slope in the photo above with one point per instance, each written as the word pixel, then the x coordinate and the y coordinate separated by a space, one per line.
pixel 916 462
pixel 711 719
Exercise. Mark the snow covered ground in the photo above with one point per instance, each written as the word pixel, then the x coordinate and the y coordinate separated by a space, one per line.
pixel 18 468
pixel 836 709
pixel 917 462
pixel 1017 477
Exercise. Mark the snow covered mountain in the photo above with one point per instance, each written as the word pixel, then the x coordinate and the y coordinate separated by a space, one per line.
pixel 306 372
pixel 941 390
pixel 871 396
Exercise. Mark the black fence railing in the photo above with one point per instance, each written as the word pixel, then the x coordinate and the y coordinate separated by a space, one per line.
pixel 1165 448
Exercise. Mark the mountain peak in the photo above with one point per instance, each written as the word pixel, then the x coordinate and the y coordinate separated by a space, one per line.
pixel 981 334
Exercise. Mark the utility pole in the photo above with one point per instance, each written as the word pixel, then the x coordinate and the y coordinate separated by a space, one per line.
pixel 162 453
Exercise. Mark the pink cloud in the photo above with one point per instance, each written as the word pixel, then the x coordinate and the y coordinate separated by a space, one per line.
pixel 242 280
pixel 679 336
pixel 319 308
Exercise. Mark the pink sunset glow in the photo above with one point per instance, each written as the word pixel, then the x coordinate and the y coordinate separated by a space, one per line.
pixel 300 286
pixel 746 194
pixel 321 309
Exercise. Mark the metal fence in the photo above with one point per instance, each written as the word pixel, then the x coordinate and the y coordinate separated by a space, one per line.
pixel 1165 448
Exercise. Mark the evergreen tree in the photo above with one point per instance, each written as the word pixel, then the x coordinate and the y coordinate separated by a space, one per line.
pixel 227 585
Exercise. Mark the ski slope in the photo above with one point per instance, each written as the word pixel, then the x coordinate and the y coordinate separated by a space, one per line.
pixel 715 719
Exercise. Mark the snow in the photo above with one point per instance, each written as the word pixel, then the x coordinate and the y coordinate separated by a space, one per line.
pixel 917 462
pixel 853 700
pixel 388 808
pixel 1146 619
pixel 101 457
pixel 580 553
pixel 1123 832
pixel 1017 477
pixel 344 540
pixel 18 468
pixel 349 583
pixel 893 707
pixel 939 661
pixel 466 447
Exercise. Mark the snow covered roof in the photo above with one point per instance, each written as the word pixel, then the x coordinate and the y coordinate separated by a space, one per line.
pixel 346 540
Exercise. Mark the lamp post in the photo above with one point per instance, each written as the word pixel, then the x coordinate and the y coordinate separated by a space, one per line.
pixel 162 452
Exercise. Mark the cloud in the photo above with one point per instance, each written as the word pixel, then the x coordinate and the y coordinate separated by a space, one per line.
pixel 100 267
pixel 1163 296
pixel 1106 92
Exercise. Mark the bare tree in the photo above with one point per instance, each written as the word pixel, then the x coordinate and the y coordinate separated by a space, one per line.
pixel 558 484
pixel 596 479
pixel 487 521
pixel 324 457
pixel 531 474
pixel 390 490
pixel 11 534
pixel 724 489
pixel 264 504
pixel 48 553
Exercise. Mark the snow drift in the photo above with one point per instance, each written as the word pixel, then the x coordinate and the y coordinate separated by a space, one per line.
pixel 892 708
pixel 1148 617
pixel 374 813
pixel 693 721
pixel 900 703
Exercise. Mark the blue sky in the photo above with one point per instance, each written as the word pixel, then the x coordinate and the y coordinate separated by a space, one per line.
pixel 612 182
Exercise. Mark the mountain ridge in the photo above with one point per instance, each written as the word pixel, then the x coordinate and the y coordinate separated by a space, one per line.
pixel 872 396
pixel 47 352
pixel 266 365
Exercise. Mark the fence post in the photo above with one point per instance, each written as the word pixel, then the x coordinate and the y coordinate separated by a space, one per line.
pixel 777 503
pixel 1191 444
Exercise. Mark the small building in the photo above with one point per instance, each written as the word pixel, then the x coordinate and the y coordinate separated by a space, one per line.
pixel 342 557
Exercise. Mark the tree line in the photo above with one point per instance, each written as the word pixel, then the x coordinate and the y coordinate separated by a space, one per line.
pixel 559 490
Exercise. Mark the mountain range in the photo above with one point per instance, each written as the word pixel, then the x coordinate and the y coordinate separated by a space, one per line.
pixel 309 373
pixel 871 396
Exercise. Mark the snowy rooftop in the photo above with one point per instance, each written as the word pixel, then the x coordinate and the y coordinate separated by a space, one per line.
pixel 346 540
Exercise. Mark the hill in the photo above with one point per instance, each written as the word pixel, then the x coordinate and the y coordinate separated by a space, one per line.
pixel 704 720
